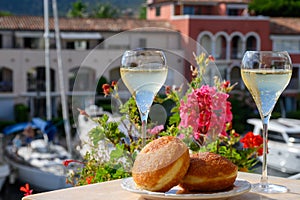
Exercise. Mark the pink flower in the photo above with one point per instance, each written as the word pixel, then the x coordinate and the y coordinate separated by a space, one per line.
pixel 207 111
pixel 156 130
pixel 196 111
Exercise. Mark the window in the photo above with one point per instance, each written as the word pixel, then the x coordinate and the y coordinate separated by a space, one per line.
pixel 251 44
pixel 6 80
pixel 82 79
pixel 157 11
pixel 188 10
pixel 232 12
pixel 221 47
pixel 70 45
pixel 206 42
pixel 236 47
pixel 287 45
pixel 275 136
pixel 33 43
pixel 36 79
pixel 142 42
pixel 77 45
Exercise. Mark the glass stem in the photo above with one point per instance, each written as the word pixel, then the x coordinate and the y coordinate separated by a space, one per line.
pixel 264 177
pixel 144 117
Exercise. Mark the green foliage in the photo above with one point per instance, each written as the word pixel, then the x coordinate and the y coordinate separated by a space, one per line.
pixel 117 157
pixel 97 171
pixel 143 12
pixel 276 8
pixel 98 166
pixel 229 147
pixel 243 107
pixel 5 13
pixel 79 9
pixel 21 112
pixel 105 10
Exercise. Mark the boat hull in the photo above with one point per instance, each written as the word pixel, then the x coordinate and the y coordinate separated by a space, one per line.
pixel 38 179
pixel 283 143
pixel 4 172
pixel 283 157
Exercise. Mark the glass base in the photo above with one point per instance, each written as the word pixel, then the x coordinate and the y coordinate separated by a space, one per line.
pixel 268 188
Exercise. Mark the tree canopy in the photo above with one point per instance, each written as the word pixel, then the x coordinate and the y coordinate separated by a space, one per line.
pixel 105 10
pixel 276 8
pixel 79 9
pixel 82 9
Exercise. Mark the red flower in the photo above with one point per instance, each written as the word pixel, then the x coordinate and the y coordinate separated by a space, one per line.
pixel 89 179
pixel 236 134
pixel 113 83
pixel 26 189
pixel 106 89
pixel 211 58
pixel 67 162
pixel 168 90
pixel 253 141
pixel 225 84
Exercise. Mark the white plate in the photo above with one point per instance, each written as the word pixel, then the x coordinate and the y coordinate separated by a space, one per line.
pixel 240 187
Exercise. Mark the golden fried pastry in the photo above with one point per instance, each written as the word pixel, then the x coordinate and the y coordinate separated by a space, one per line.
pixel 161 164
pixel 209 172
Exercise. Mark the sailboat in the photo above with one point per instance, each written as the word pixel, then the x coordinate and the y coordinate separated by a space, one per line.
pixel 32 154
pixel 34 157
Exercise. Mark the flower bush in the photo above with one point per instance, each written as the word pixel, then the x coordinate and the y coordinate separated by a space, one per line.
pixel 202 118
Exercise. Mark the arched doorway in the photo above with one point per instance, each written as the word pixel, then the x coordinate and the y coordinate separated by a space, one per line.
pixel 251 43
pixel 220 52
pixel 236 47
pixel 205 39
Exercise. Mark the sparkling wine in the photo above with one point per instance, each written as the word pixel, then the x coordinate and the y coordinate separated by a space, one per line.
pixel 144 83
pixel 266 86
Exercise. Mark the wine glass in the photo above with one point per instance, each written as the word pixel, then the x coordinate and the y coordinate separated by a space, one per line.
pixel 266 74
pixel 144 71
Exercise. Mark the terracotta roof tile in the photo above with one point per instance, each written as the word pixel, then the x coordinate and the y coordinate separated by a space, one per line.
pixel 285 26
pixel 78 24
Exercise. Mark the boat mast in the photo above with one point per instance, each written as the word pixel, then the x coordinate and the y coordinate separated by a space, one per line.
pixel 61 79
pixel 47 60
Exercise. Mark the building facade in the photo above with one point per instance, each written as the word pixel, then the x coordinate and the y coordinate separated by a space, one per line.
pixel 226 29
pixel 94 47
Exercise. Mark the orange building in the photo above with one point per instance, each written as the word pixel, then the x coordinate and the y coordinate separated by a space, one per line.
pixel 226 29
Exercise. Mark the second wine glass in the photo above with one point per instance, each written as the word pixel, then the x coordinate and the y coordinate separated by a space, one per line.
pixel 266 74
pixel 144 71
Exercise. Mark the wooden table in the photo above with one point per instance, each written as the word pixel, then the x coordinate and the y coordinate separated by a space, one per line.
pixel 112 191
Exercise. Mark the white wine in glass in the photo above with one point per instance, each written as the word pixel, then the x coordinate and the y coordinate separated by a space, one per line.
pixel 144 71
pixel 266 74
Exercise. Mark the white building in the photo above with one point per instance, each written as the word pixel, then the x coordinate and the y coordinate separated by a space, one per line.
pixel 94 45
